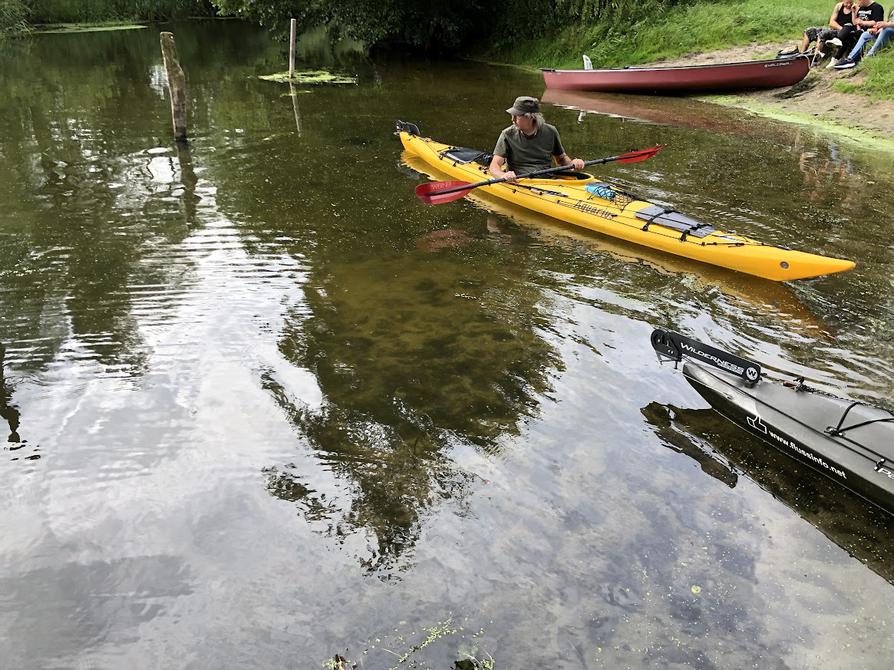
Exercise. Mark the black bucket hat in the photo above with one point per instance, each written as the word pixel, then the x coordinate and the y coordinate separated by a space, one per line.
pixel 524 104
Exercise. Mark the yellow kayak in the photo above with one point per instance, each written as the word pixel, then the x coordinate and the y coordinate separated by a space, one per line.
pixel 585 201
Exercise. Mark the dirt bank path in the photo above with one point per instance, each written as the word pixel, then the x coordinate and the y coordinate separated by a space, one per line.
pixel 811 99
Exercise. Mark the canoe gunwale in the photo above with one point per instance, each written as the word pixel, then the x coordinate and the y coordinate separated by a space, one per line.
pixel 782 62
pixel 761 74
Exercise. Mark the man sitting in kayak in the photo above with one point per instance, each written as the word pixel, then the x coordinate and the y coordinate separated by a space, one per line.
pixel 529 144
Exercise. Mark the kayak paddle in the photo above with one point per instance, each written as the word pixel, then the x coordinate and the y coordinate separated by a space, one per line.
pixel 439 192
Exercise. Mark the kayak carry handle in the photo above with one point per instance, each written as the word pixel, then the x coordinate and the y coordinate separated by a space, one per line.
pixel 406 127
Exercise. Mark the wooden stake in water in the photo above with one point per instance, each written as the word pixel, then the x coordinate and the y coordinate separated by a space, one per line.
pixel 176 85
pixel 293 27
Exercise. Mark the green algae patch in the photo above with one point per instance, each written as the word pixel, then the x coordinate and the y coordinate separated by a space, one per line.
pixel 880 142
pixel 55 28
pixel 317 77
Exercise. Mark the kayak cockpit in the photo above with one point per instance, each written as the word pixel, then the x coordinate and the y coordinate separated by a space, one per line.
pixel 573 176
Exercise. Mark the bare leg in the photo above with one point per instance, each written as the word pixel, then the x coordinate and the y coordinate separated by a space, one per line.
pixel 805 42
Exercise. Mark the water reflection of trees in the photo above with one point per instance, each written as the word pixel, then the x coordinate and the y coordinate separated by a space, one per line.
pixel 413 356
pixel 62 148
pixel 830 184
pixel 89 199
pixel 724 452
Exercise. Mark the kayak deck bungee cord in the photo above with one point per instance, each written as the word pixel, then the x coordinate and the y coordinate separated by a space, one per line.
pixel 850 442
pixel 583 200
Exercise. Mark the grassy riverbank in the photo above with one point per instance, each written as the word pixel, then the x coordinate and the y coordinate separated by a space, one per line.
pixel 694 28
pixel 681 29
pixel 874 78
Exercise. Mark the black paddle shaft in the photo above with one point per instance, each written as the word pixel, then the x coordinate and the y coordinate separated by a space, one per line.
pixel 537 173
pixel 674 346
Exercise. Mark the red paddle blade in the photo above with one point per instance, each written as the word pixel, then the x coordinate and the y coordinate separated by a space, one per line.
pixel 431 193
pixel 640 154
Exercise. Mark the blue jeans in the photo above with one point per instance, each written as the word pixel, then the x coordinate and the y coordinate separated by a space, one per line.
pixel 885 36
pixel 881 40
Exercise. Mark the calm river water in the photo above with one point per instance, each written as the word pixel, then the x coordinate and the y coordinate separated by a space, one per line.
pixel 264 407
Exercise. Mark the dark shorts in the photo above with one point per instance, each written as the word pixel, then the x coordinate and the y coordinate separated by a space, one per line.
pixel 821 34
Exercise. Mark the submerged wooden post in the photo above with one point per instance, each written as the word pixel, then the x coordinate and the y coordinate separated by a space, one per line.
pixel 176 85
pixel 293 26
pixel 189 180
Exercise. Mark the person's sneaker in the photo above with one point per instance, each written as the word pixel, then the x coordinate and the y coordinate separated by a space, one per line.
pixel 832 63
pixel 845 64
pixel 835 41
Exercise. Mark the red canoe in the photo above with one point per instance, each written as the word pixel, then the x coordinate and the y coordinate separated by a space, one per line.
pixel 684 78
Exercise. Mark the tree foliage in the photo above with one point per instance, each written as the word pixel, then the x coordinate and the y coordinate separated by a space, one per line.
pixel 440 26
pixel 74 11
pixel 12 17
pixel 422 25
pixel 419 24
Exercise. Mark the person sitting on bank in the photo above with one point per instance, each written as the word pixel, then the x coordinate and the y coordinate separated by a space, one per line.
pixel 529 144
pixel 841 16
pixel 880 32
pixel 866 14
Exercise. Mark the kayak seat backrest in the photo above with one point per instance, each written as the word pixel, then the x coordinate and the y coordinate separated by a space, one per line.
pixel 463 155
pixel 668 218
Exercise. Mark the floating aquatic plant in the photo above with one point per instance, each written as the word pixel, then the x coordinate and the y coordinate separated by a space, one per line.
pixel 310 77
